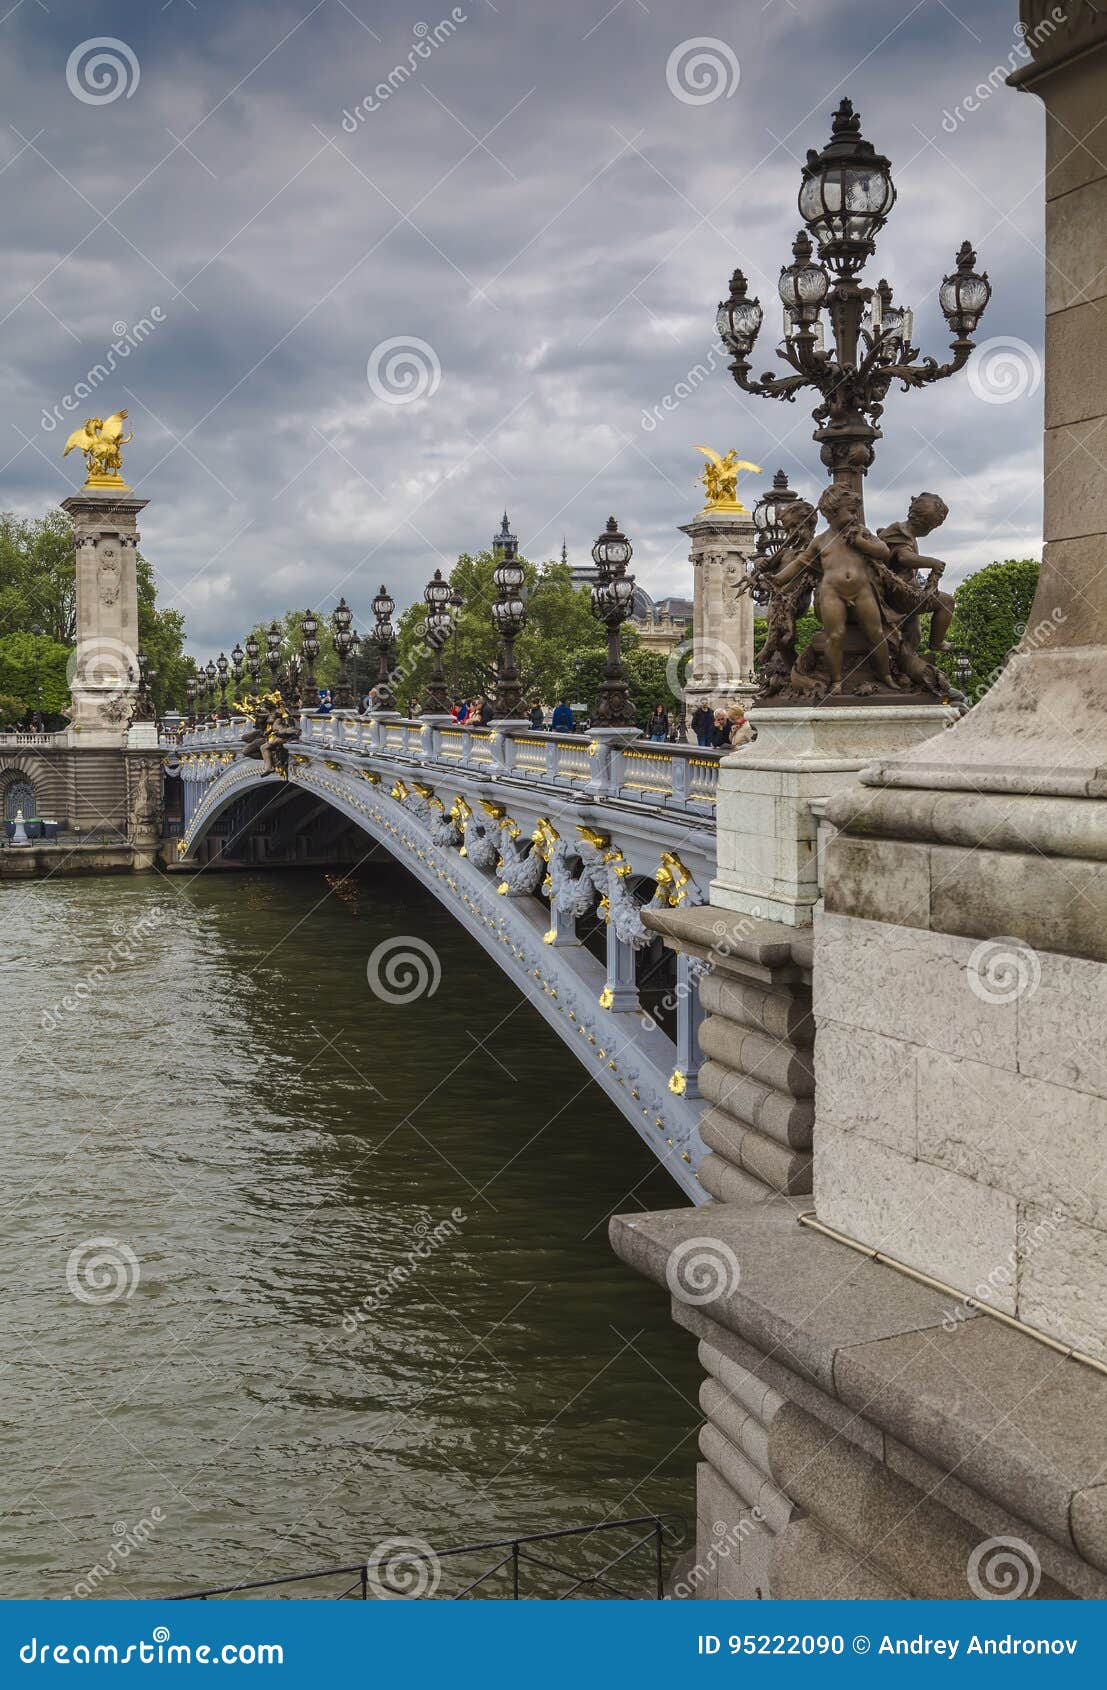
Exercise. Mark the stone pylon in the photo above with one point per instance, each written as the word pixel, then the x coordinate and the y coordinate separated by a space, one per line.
pixel 104 677
pixel 722 618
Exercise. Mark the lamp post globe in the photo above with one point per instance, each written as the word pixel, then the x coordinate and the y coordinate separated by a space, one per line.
pixel 341 622
pixel 309 651
pixel 436 596
pixel 383 637
pixel 509 614
pixel 613 604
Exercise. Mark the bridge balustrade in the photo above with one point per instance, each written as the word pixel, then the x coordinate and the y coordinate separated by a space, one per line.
pixel 667 777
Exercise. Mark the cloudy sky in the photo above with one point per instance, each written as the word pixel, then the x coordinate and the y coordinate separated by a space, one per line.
pixel 367 310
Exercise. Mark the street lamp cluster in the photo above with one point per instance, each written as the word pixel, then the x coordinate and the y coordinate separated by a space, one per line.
pixel 206 691
pixel 845 196
pixel 612 605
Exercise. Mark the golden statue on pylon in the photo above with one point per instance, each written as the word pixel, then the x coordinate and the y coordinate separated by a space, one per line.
pixel 720 477
pixel 100 439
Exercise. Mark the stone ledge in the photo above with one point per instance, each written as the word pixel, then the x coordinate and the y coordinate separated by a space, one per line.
pixel 724 937
pixel 1015 1420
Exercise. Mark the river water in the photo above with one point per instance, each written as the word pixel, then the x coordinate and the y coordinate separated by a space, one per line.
pixel 218 1147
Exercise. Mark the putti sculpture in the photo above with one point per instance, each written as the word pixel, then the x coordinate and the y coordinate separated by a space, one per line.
pixel 868 590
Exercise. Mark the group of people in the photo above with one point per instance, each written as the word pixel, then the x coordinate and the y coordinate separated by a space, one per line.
pixel 723 729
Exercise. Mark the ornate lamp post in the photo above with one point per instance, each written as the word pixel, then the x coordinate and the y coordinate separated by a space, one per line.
pixel 222 665
pixel 456 603
pixel 253 660
pixel 341 622
pixel 309 650
pixel 237 656
pixel 209 671
pixel 613 604
pixel 273 651
pixel 436 633
pixel 36 719
pixel 383 637
pixel 191 689
pixel 509 613
pixel 845 197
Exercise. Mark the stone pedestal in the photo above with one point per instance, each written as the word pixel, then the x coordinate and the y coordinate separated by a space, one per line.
pixel 770 792
pixel 105 675
pixel 722 619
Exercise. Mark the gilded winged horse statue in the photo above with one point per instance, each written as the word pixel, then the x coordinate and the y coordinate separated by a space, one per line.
pixel 100 439
pixel 720 477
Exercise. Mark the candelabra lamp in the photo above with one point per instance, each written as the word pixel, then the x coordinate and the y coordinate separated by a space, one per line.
pixel 341 624
pixel 383 637
pixel 253 659
pixel 509 613
pixel 846 194
pixel 223 666
pixel 613 604
pixel 191 690
pixel 273 639
pixel 435 634
pixel 309 651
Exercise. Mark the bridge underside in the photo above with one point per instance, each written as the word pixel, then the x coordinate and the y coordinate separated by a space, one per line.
pixel 559 915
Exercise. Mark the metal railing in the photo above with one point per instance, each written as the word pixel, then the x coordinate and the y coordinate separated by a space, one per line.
pixel 416 1570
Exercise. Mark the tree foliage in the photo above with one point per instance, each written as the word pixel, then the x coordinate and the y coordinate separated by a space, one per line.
pixel 992 610
pixel 33 669
pixel 559 621
pixel 646 672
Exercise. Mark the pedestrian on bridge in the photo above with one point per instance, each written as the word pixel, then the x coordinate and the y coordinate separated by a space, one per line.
pixel 562 720
pixel 703 723
pixel 537 716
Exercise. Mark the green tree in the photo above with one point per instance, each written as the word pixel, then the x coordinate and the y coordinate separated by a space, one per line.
pixel 992 609
pixel 559 621
pixel 646 671
pixel 33 669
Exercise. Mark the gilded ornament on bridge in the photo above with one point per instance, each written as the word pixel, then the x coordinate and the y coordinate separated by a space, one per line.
pixel 101 440
pixel 678 1083
pixel 672 880
pixel 720 477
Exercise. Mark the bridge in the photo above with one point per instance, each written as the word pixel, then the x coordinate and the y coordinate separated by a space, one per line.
pixel 546 847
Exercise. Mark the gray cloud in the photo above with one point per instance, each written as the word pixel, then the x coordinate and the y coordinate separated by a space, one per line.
pixel 533 203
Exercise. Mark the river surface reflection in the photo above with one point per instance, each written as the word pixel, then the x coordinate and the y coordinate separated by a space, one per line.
pixel 262 1141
